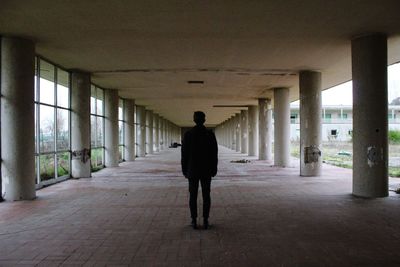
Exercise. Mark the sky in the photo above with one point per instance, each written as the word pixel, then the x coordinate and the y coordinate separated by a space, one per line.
pixel 342 94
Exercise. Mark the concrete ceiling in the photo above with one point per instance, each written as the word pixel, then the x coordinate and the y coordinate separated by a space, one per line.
pixel 148 50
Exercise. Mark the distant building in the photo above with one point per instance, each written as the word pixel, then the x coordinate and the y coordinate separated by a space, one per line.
pixel 337 122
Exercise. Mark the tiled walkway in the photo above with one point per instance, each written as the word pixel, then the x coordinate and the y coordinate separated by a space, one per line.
pixel 137 215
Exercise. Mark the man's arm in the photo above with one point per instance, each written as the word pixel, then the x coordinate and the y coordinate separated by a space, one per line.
pixel 214 154
pixel 185 154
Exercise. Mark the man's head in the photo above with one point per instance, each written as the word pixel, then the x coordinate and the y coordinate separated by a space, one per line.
pixel 199 117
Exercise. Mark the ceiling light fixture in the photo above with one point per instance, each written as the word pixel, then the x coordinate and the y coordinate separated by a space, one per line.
pixel 195 82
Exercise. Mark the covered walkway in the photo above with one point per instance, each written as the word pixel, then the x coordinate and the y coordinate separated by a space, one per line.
pixel 137 215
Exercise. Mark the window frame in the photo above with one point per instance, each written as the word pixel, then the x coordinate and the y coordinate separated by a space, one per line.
pixel 37 106
pixel 96 116
pixel 122 120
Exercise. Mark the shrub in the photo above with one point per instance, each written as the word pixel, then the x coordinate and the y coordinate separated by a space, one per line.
pixel 394 171
pixel 394 136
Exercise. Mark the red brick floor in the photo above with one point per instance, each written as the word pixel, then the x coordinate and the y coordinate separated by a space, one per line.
pixel 137 215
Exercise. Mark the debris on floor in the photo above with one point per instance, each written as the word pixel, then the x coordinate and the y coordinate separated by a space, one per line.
pixel 240 161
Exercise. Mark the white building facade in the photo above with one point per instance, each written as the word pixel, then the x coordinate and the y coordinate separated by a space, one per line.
pixel 337 122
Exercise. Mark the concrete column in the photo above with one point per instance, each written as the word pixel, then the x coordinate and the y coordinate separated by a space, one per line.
pixel 160 132
pixel 232 133
pixel 111 128
pixel 244 131
pixel 237 132
pixel 156 119
pixel 149 132
pixel 370 116
pixel 282 127
pixel 174 134
pixel 171 132
pixel 165 133
pixel 141 130
pixel 310 123
pixel 223 133
pixel 80 122
pixel 269 129
pixel 228 133
pixel 129 129
pixel 253 130
pixel 172 129
pixel 166 145
pixel 262 129
pixel 17 119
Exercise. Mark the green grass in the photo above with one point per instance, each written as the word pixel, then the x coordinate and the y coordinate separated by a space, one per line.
pixel 96 159
pixel 96 168
pixel 343 161
pixel 394 171
pixel 295 152
pixel 394 136
pixel 339 153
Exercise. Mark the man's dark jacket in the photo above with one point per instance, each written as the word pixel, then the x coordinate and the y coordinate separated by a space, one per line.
pixel 199 153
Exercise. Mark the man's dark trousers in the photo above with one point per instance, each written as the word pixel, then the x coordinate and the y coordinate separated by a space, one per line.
pixel 193 190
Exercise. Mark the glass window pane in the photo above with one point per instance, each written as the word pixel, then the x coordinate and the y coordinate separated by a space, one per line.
pixel 62 77
pixel 62 88
pixel 36 125
pixel 100 100
pixel 46 128
pixel 120 114
pixel 121 132
pixel 62 129
pixel 93 158
pixel 63 164
pixel 121 110
pixel 99 131
pixel 92 99
pixel 100 157
pixel 46 83
pixel 35 79
pixel 92 105
pixel 92 131
pixel 121 153
pixel 96 160
pixel 46 167
pixel 36 168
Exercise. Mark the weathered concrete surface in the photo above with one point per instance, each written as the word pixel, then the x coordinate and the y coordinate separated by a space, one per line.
pixel 80 122
pixel 156 123
pixel 282 127
pixel 370 119
pixel 138 215
pixel 141 130
pixel 262 128
pixel 244 131
pixel 310 123
pixel 129 134
pixel 17 118
pixel 253 131
pixel 111 128
pixel 149 132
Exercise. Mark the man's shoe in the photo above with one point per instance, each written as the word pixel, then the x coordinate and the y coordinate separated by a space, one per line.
pixel 194 224
pixel 206 225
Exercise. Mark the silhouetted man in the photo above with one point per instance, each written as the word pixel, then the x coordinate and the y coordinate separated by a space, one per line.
pixel 199 163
